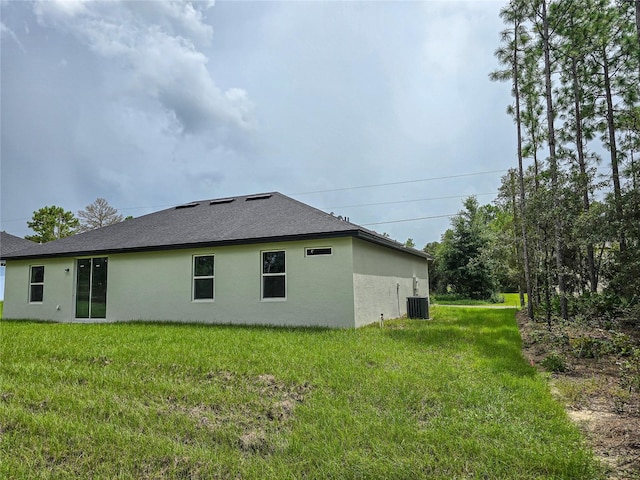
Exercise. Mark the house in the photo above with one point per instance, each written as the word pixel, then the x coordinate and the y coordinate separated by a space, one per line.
pixel 257 259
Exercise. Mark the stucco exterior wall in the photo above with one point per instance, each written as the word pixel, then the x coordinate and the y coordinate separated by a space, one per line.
pixel 382 281
pixel 157 286
pixel 57 302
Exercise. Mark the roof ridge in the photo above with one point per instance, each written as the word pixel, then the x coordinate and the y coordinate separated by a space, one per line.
pixel 340 219
pixel 269 217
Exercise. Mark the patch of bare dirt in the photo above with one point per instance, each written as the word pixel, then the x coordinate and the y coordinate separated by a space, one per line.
pixel 595 372
pixel 260 409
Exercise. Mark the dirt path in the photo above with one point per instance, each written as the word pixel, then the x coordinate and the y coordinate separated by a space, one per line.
pixel 594 373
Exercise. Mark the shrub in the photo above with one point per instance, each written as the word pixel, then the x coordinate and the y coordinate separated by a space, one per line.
pixel 630 371
pixel 620 344
pixel 620 398
pixel 496 298
pixel 449 297
pixel 554 362
pixel 606 307
pixel 586 347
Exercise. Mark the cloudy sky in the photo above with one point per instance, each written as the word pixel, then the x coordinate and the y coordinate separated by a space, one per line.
pixel 379 111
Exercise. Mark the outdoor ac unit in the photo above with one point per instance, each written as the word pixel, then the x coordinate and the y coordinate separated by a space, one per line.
pixel 417 307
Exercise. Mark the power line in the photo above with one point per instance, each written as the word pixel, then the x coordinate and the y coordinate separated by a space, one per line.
pixel 408 201
pixel 409 220
pixel 398 183
pixel 4 221
pixel 167 205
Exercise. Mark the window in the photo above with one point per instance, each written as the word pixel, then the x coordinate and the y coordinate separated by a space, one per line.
pixel 36 284
pixel 274 277
pixel 203 277
pixel 318 251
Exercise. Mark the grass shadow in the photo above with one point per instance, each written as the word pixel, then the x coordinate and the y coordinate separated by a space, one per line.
pixel 491 334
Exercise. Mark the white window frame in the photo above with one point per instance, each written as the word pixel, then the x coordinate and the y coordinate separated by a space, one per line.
pixel 306 252
pixel 33 284
pixel 202 277
pixel 279 274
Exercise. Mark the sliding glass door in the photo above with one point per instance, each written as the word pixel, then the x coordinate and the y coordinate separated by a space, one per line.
pixel 91 288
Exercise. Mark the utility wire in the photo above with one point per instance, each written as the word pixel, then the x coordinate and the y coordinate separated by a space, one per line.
pixel 166 205
pixel 408 201
pixel 398 183
pixel 343 189
pixel 409 220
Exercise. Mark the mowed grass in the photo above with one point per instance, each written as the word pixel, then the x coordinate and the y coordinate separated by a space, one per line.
pixel 510 300
pixel 449 398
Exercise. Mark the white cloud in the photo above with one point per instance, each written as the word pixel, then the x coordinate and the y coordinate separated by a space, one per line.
pixel 181 16
pixel 62 9
pixel 6 31
pixel 155 43
pixel 139 102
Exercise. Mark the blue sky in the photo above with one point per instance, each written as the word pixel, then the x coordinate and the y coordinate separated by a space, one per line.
pixel 153 104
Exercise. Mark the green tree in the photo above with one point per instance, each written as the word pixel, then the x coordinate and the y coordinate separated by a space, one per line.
pixel 507 241
pixel 463 256
pixel 52 223
pixel 545 31
pixel 574 70
pixel 578 112
pixel 615 86
pixel 511 55
pixel 437 278
pixel 98 214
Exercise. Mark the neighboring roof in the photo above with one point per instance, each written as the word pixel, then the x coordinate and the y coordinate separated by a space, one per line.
pixel 10 244
pixel 268 217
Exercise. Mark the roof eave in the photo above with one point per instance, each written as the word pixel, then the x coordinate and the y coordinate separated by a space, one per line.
pixel 356 232
pixel 387 242
pixel 183 246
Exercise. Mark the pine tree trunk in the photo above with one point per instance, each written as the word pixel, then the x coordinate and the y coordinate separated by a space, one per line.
pixel 613 149
pixel 553 163
pixel 547 280
pixel 538 286
pixel 522 285
pixel 525 249
pixel 638 20
pixel 591 264
pixel 536 187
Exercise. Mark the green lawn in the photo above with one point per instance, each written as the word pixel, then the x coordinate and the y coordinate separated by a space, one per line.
pixel 449 398
pixel 510 300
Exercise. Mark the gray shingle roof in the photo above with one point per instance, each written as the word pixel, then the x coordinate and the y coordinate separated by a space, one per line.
pixel 10 244
pixel 226 221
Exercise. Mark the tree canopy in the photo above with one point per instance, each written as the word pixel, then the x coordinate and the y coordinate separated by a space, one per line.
pixel 574 73
pixel 52 223
pixel 98 214
pixel 462 261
